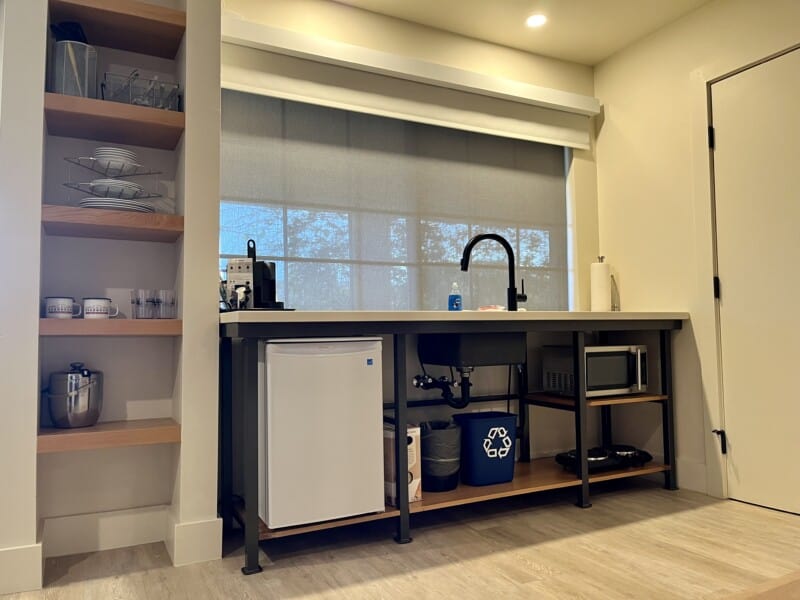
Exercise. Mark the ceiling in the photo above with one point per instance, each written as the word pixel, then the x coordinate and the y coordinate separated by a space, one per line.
pixel 582 31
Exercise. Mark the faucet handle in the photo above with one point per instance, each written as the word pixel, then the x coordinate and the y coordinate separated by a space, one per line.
pixel 522 297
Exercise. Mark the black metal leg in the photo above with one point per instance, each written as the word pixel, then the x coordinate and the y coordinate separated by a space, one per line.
pixel 578 344
pixel 668 411
pixel 226 434
pixel 250 449
pixel 605 425
pixel 400 433
pixel 524 413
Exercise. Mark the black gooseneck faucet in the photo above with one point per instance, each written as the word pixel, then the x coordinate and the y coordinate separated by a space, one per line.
pixel 513 297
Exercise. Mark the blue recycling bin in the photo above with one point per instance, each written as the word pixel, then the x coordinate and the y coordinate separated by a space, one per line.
pixel 488 440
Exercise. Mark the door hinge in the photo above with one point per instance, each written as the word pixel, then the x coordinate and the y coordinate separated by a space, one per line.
pixel 723 439
pixel 716 287
pixel 711 137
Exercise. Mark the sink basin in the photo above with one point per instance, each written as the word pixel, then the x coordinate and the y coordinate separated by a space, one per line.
pixel 472 349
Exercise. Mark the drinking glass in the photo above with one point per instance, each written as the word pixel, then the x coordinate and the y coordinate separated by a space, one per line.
pixel 165 304
pixel 143 304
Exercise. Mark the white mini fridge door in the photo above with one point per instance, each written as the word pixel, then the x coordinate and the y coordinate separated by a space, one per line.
pixel 321 422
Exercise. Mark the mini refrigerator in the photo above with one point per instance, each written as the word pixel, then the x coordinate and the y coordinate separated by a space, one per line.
pixel 320 430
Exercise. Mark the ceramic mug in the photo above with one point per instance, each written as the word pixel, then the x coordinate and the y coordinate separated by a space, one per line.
pixel 99 308
pixel 61 307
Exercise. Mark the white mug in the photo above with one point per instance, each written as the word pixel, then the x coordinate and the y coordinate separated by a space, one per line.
pixel 61 307
pixel 99 308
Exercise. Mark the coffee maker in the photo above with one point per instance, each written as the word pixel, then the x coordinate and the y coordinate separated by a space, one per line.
pixel 251 283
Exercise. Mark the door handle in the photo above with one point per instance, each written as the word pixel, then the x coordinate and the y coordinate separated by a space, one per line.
pixel 723 439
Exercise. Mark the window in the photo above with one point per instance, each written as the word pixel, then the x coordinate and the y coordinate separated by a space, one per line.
pixel 368 213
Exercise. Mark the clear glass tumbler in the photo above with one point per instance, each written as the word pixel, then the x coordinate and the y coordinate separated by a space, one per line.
pixel 143 304
pixel 165 304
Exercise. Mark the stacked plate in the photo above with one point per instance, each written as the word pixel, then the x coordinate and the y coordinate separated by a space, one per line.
pixel 117 204
pixel 116 188
pixel 116 161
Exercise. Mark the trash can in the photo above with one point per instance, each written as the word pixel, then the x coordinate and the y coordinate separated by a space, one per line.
pixel 441 455
pixel 487 447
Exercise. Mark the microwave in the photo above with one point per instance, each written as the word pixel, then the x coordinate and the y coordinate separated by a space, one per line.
pixel 610 370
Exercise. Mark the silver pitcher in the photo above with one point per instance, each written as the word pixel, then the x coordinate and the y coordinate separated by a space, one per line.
pixel 75 397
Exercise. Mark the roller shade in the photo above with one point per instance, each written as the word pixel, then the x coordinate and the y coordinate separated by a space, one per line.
pixel 368 212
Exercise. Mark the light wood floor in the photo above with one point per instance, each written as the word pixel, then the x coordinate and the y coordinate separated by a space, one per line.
pixel 637 541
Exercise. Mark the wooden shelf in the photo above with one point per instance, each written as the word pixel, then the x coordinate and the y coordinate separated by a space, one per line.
pixel 110 327
pixel 538 475
pixel 113 434
pixel 111 224
pixel 92 119
pixel 265 533
pixel 125 24
pixel 555 401
pixel 648 469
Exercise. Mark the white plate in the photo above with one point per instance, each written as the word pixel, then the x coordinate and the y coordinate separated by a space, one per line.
pixel 114 153
pixel 119 182
pixel 108 151
pixel 124 157
pixel 110 203
pixel 115 188
pixel 117 166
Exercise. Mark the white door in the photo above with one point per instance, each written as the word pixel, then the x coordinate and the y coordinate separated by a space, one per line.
pixel 756 118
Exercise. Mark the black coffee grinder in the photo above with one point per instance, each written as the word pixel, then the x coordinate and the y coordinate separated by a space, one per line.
pixel 251 283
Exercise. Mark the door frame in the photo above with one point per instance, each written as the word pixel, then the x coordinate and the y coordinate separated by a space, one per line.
pixel 716 462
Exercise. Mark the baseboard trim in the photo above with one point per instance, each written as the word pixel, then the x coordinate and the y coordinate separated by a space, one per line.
pixel 20 569
pixel 193 542
pixel 76 534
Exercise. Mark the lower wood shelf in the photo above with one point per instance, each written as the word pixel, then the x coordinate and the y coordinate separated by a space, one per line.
pixel 539 475
pixel 536 476
pixel 265 533
pixel 112 434
pixel 111 327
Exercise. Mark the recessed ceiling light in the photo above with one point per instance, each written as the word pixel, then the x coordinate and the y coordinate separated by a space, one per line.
pixel 536 21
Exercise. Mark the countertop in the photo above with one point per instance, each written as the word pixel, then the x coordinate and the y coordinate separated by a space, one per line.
pixel 404 316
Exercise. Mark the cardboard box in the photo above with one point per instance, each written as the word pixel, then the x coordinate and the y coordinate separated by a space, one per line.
pixel 414 476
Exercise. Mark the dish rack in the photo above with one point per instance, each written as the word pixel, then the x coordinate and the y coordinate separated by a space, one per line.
pixel 111 168
pixel 114 191
pixel 116 169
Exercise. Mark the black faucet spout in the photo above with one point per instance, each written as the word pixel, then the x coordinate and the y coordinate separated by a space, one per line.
pixel 512 290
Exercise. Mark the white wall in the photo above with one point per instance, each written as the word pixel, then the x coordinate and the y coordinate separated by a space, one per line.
pixel 653 190
pixel 21 130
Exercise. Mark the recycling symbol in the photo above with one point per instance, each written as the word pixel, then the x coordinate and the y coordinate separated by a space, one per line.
pixel 497 443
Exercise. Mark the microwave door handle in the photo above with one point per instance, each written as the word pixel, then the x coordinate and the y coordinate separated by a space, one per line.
pixel 639 369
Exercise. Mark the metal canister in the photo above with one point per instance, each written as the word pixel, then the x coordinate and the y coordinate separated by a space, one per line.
pixel 75 397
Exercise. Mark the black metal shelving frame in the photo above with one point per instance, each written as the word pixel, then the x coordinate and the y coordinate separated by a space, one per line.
pixel 582 405
pixel 239 378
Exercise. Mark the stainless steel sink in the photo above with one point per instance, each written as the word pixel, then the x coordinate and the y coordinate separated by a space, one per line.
pixel 462 350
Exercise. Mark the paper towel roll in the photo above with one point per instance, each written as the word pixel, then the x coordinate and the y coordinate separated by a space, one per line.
pixel 601 286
